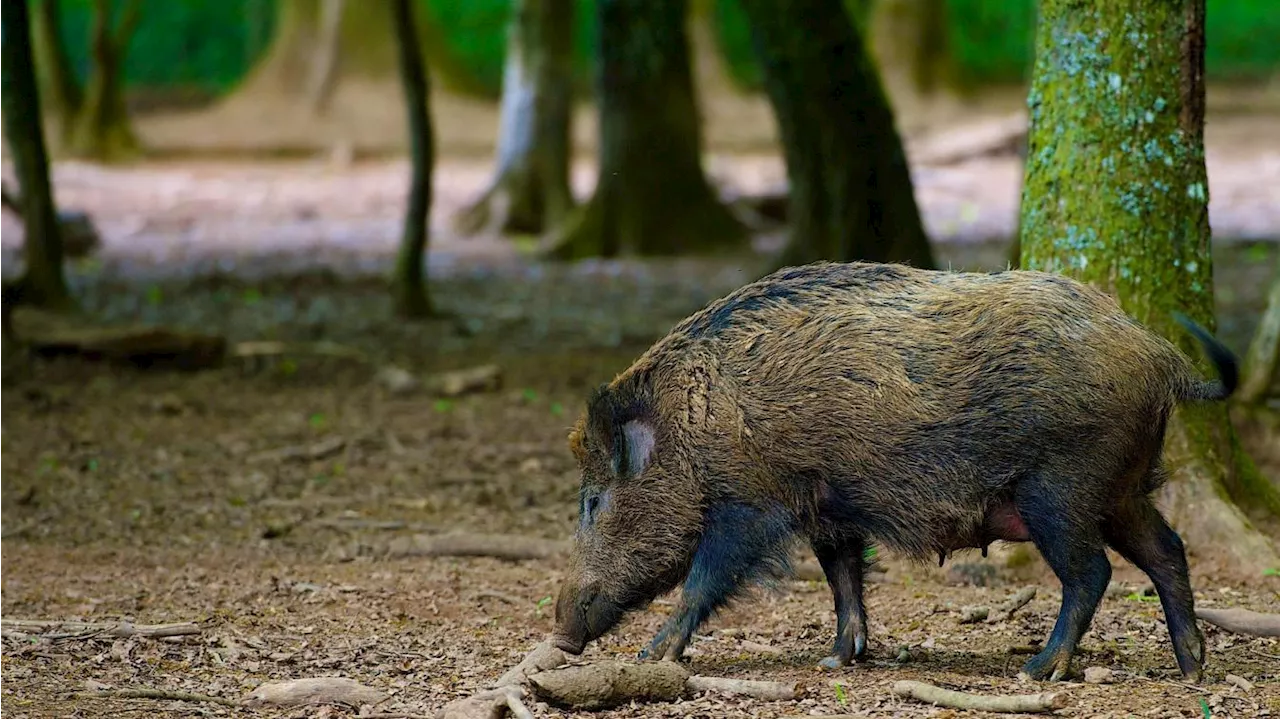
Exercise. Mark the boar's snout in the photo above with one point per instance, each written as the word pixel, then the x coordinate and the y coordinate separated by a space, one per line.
pixel 583 614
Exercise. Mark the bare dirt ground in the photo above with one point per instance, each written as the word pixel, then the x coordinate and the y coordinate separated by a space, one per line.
pixel 160 497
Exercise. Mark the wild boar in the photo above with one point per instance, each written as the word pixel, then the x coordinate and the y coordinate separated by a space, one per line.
pixel 860 404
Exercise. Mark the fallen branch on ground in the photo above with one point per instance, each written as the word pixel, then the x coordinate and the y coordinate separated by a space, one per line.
pixel 1009 704
pixel 1242 621
pixel 455 383
pixel 162 694
pixel 271 348
pixel 498 546
pixel 315 450
pixel 754 688
pixel 54 629
pixel 52 333
pixel 973 615
pixel 1018 601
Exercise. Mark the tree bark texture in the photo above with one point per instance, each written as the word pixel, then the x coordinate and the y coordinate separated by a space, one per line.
pixel 530 192
pixel 101 129
pixel 362 51
pixel 1116 194
pixel 326 55
pixel 1263 358
pixel 60 92
pixel 652 196
pixel 851 196
pixel 43 283
pixel 409 288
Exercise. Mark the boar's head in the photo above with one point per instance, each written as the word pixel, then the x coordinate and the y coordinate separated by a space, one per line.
pixel 639 512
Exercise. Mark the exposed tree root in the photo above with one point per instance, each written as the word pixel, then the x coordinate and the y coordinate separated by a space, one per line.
pixel 756 689
pixel 316 690
pixel 1242 621
pixel 1010 704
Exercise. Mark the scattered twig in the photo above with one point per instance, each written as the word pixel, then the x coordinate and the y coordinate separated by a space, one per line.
pixel 1018 601
pixel 498 546
pixel 485 378
pixel 767 691
pixel 267 348
pixel 1261 653
pixel 1009 704
pixel 54 629
pixel 314 451
pixel 500 596
pixel 163 694
pixel 1242 621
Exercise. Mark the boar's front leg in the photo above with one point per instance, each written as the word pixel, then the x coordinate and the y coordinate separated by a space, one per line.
pixel 842 562
pixel 739 544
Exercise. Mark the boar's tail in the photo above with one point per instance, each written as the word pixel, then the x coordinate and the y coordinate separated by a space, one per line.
pixel 1223 360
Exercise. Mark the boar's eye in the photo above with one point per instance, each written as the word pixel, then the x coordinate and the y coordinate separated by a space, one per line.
pixel 592 504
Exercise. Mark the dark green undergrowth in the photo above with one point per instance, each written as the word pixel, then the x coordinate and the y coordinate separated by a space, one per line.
pixel 210 44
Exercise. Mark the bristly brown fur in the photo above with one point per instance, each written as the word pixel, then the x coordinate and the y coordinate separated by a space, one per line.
pixel 899 405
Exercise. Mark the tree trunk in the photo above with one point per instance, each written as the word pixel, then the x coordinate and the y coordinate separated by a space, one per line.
pixel 60 93
pixel 651 196
pixel 408 283
pixel 850 186
pixel 326 56
pixel 1116 194
pixel 530 193
pixel 101 129
pixel 1263 357
pixel 42 283
pixel 287 71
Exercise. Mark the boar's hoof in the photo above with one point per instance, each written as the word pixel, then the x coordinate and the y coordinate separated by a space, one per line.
pixel 832 662
pixel 1048 665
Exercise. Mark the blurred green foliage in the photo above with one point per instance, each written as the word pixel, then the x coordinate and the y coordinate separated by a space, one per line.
pixel 211 44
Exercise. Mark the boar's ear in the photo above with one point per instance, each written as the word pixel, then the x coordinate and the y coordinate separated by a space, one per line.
pixel 623 424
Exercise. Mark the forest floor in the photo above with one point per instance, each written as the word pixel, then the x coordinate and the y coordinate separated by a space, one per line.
pixel 272 501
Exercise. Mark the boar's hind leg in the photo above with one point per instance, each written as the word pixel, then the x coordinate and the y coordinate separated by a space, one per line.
pixel 739 544
pixel 843 564
pixel 1137 531
pixel 1070 540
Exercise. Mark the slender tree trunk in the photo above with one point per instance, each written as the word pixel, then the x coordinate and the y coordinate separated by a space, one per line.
pixel 289 70
pixel 326 55
pixel 850 187
pixel 42 284
pixel 60 93
pixel 1116 194
pixel 409 287
pixel 102 130
pixel 651 196
pixel 530 193
pixel 1263 358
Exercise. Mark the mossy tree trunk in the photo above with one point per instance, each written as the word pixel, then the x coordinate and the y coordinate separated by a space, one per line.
pixel 289 68
pixel 850 186
pixel 409 286
pixel 652 196
pixel 530 192
pixel 60 92
pixel 101 129
pixel 1116 194
pixel 42 283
